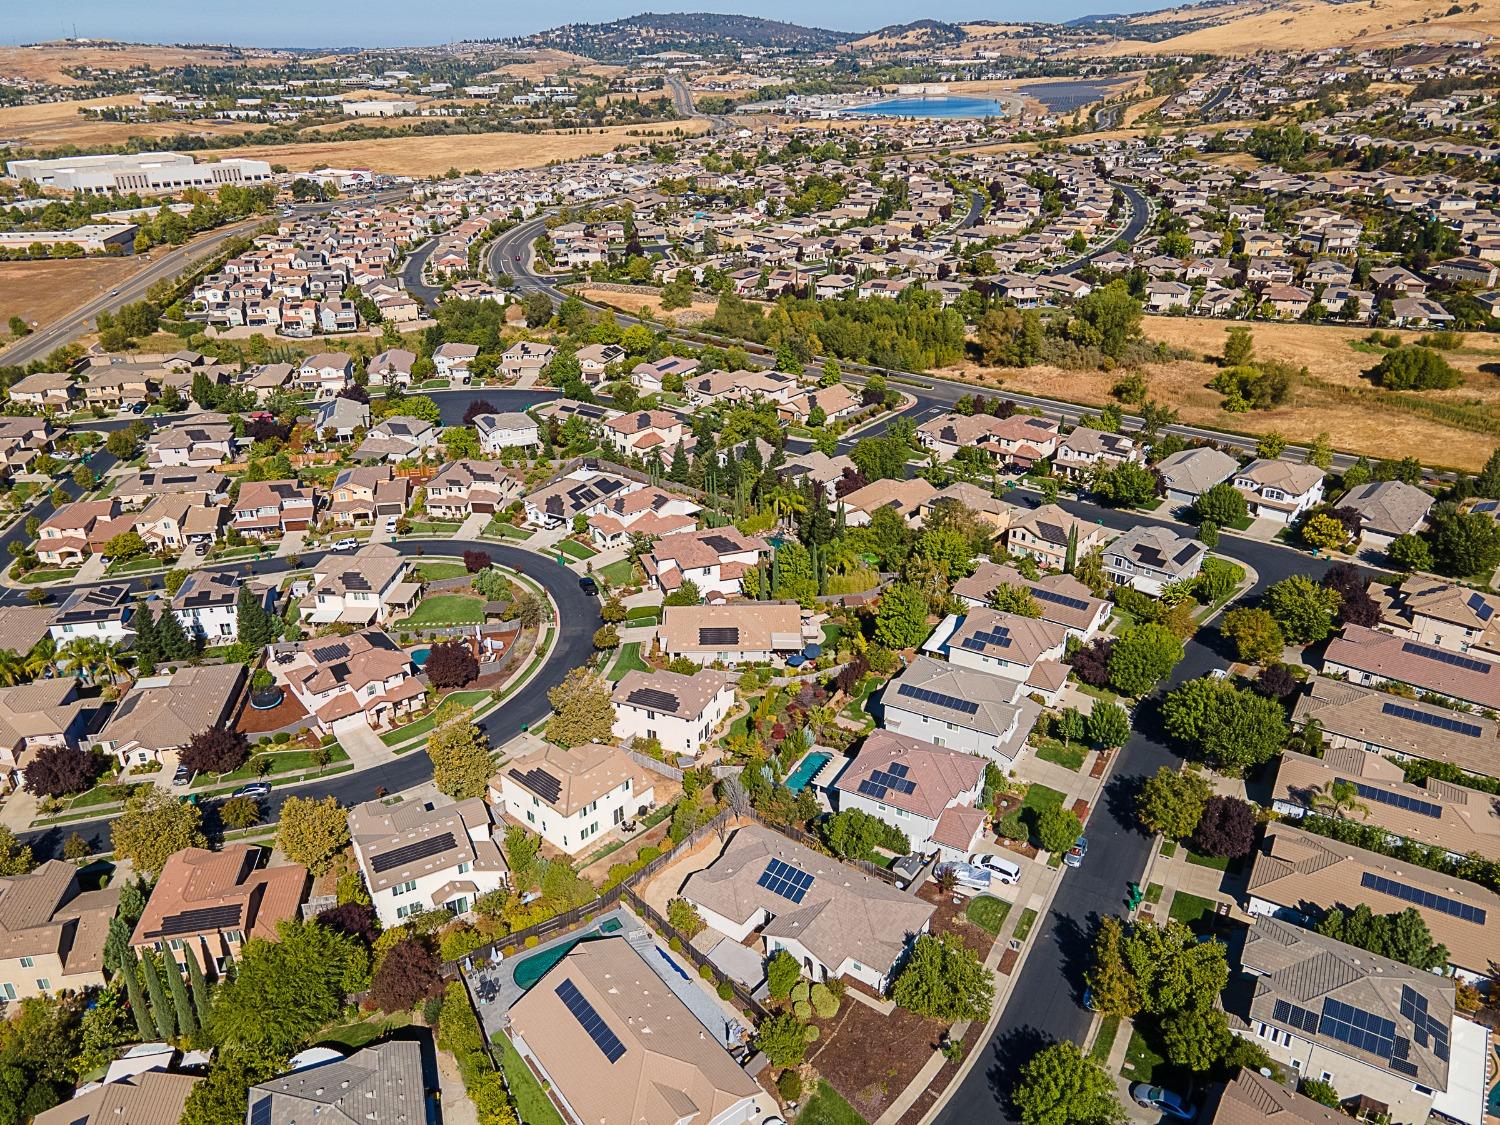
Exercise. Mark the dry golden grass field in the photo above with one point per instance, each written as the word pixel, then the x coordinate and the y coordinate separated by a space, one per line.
pixel 487 152
pixel 44 291
pixel 1336 397
pixel 648 301
pixel 52 124
pixel 48 62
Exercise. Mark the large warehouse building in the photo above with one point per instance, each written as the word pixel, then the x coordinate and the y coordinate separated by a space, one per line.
pixel 148 173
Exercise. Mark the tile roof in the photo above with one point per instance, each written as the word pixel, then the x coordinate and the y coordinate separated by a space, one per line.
pixel 1467 677
pixel 229 886
pixel 567 779
pixel 669 693
pixel 938 776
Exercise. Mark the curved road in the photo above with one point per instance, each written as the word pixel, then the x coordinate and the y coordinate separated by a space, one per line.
pixel 577 619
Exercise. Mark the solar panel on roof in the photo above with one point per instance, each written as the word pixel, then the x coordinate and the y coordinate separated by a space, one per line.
pixel 325 654
pixel 721 544
pixel 652 698
pixel 1045 595
pixel 1426 1028
pixel 719 635
pixel 1290 1015
pixel 868 788
pixel 410 853
pixel 887 780
pixel 260 1112
pixel 1361 1030
pixel 897 769
pixel 1403 1066
pixel 1443 656
pixel 1419 897
pixel 198 920
pixel 953 703
pixel 981 640
pixel 1482 608
pixel 781 878
pixel 540 782
pixel 1396 800
pixel 590 1020
pixel 1441 722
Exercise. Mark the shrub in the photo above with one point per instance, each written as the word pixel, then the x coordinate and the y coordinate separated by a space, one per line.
pixel 725 990
pixel 451 664
pixel 789 1085
pixel 1012 825
pixel 824 1002
pixel 1414 368
pixel 802 1010
pixel 215 750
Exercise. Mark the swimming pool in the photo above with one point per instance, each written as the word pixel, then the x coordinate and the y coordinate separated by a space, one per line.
pixel 532 969
pixel 806 770
pixel 419 656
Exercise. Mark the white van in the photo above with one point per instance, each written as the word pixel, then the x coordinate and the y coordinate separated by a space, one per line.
pixel 999 868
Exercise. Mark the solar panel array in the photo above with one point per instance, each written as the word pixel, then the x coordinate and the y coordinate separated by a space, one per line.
pixel 1418 897
pixel 653 698
pixel 781 878
pixel 1481 607
pixel 722 544
pixel 1443 656
pixel 1427 1029
pixel 1396 800
pixel 590 1020
pixel 952 702
pixel 1441 722
pixel 728 635
pixel 881 782
pixel 1295 1017
pixel 1045 595
pixel 1362 1030
pixel 199 920
pixel 410 853
pixel 979 641
pixel 540 782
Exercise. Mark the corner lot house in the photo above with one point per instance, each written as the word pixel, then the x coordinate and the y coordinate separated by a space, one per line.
pixel 268 508
pixel 207 904
pixel 681 712
pixel 570 796
pixel 52 931
pixel 1148 558
pixel 1279 490
pixel 836 921
pixel 584 492
pixel 361 678
pixel 971 711
pixel 159 715
pixel 927 791
pixel 613 1043
pixel 421 855
pixel 366 587
pixel 1252 1099
pixel 732 634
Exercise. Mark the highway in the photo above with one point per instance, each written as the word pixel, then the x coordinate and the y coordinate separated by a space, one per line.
pixel 578 618
pixel 682 101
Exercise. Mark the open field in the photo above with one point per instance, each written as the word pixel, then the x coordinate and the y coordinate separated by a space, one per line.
pixel 43 291
pixel 487 152
pixel 648 301
pixel 1335 397
pixel 47 62
pixel 539 64
pixel 53 124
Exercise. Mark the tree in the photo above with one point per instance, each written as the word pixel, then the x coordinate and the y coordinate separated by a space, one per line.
pixel 1108 725
pixel 1197 1038
pixel 782 1038
pixel 901 620
pixel 537 307
pixel 1239 347
pixel 1236 730
pixel 1324 532
pixel 782 973
pixel 126 545
pixel 687 593
pixel 182 1004
pixel 1059 1086
pixel 240 812
pixel 1223 504
pixel 129 968
pixel 312 831
pixel 222 1098
pixel 1141 656
pixel 582 712
pixel 1172 801
pixel 171 639
pixel 1464 544
pixel 1108 318
pixel 162 1012
pixel 1319 1091
pixel 198 986
pixel 1256 635
pixel 58 770
pixel 1402 937
pixel 357 919
pixel 943 979
pixel 1015 599
pixel 1413 368
pixel 1227 828
pixel 1302 608
pixel 1057 829
pixel 460 754
pixel 409 973
pixel 683 917
pixel 855 834
pixel 1112 987
pixel 1338 797
pixel 255 625
pixel 1126 485
pixel 15 857
pixel 153 826
pixel 1175 971
pixel 451 664
pixel 215 750
pixel 1410 552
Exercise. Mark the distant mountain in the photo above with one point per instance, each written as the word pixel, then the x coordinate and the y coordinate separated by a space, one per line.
pixel 705 33
pixel 918 33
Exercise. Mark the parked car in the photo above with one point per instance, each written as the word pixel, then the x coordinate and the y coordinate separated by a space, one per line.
pixel 589 586
pixel 1007 871
pixel 1075 854
pixel 256 789
pixel 200 548
pixel 1156 1097
pixel 390 524
pixel 343 544
pixel 182 776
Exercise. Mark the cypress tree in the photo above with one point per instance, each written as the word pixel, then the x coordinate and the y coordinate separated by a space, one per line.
pixel 187 1022
pixel 230 968
pixel 147 647
pixel 129 968
pixel 161 1010
pixel 1070 560
pixel 199 987
pixel 252 620
pixel 172 638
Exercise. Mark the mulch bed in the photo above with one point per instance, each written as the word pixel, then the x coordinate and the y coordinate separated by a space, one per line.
pixel 1008 961
pixel 950 918
pixel 928 1097
pixel 870 1058
pixel 284 714
pixel 1081 807
pixel 1101 763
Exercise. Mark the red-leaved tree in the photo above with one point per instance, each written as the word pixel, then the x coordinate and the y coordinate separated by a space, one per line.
pixel 215 750
pixel 57 771
pixel 450 664
pixel 408 974
pixel 1227 828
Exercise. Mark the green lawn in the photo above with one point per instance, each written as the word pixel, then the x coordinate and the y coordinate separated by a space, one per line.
pixel 857 707
pixel 1069 757
pixel 1040 798
pixel 505 529
pixel 361 1034
pixel 640 612
pixel 533 1106
pixel 617 573
pixel 135 566
pixel 826 1107
pixel 433 527
pixel 1168 849
pixel 433 571
pixel 1190 909
pixel 628 660
pixel 573 549
pixel 423 726
pixel 282 762
pixel 447 609
pixel 988 913
pixel 44 575
pixel 831 634
pixel 1140 1060
pixel 1109 1028
pixel 1217 862
pixel 1154 893
pixel 1024 923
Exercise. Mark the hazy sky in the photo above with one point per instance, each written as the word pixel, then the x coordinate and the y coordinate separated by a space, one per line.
pixel 329 23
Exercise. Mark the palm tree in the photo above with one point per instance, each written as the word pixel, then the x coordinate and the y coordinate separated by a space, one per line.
pixel 82 657
pixel 1337 798
pixel 786 501
pixel 111 659
pixel 42 659
pixel 12 668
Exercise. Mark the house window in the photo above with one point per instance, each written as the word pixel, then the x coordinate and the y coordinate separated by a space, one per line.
pixel 8 990
pixel 234 937
pixel 464 868
pixel 43 984
pixel 407 910
pixel 28 962
pixel 404 888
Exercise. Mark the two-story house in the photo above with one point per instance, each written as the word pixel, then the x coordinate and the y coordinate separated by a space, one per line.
pixel 369 586
pixel 52 932
pixel 714 560
pixel 207 604
pixel 1149 558
pixel 570 796
pixel 464 488
pixel 1048 534
pixel 1279 490
pixel 267 509
pixel 509 430
pixel 360 679
pixel 679 712
pixel 366 493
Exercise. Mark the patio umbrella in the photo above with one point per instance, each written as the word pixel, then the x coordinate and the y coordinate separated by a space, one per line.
pixel 813 651
pixel 795 661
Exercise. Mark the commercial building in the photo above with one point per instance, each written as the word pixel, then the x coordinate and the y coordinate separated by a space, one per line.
pixel 144 173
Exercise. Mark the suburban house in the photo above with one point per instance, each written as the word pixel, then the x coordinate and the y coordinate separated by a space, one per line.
pixel 1371 657
pixel 950 705
pixel 392 368
pixel 1279 490
pixel 382 1084
pixel 1085 448
pixel 207 905
pixel 1189 473
pixel 1376 722
pixel 54 390
pixel 202 443
pixel 362 678
pixel 1024 651
pixel 927 791
pixel 338 419
pixel 1295 875
pixel 1252 1099
pixel 1061 598
pixel 1387 509
pixel 207 604
pixel 649 511
pixel 1364 1024
pixel 680 712
pixel 647 433
pixel 595 359
pixel 714 560
pixel 570 796
pixel 419 855
pixel 741 633
pixel 583 492
pixel 1441 613
pixel 101 612
pixel 465 488
pixel 44 713
pixel 150 1097
pixel 159 715
pixel 990 509
pixel 612 1040
pixel 451 361
pixel 398 438
pixel 834 920
pixel 526 358
pixel 904 497
pixel 269 508
pixel 325 374
pixel 510 430
pixel 365 493
pixel 136 490
pixel 368 586
pixel 75 531
pixel 1018 441
pixel 1047 534
pixel 1148 558
pixel 52 932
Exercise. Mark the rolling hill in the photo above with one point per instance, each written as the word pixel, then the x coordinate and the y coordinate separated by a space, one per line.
pixel 704 33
